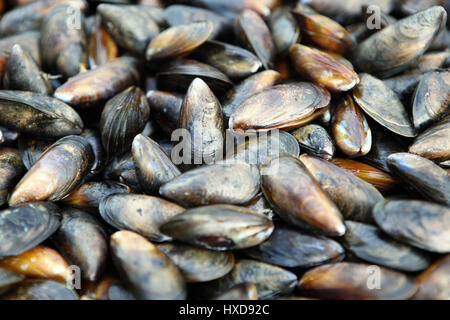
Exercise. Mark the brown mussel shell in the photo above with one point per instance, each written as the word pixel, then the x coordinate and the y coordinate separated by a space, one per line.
pixel 241 291
pixel 350 281
pixel 63 42
pixel 37 114
pixel 398 46
pixel 11 169
pixel 253 33
pixel 322 68
pixel 61 169
pixel 178 40
pixel 284 106
pixel 31 149
pixel 219 227
pixel 247 87
pixel 350 129
pixel 100 84
pixel 354 197
pixel 285 31
pixel 382 105
pixel 298 199
pixel 149 272
pixel 434 282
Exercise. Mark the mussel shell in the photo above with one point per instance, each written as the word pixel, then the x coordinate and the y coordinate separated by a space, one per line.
pixel 434 143
pixel 181 14
pixel 315 140
pixel 350 129
pixel 36 289
pixel 11 169
pixel 165 106
pixel 431 99
pixel 83 242
pixel 354 197
pixel 178 75
pixel 235 62
pixel 221 183
pixel 298 199
pixel 37 114
pixel 429 62
pixel 22 73
pixel 131 26
pixel 421 224
pixel 259 148
pixel 346 11
pixel 251 85
pixel 30 16
pixel 201 115
pixel 285 31
pixel 8 279
pixel 107 287
pixel 403 85
pixel 29 41
pixel 123 117
pixel 197 264
pixel 421 174
pixel 284 106
pixel 178 40
pixel 139 213
pixel 253 33
pixel 376 177
pixel 369 243
pixel 94 139
pixel 121 168
pixel 31 148
pixel 322 68
pixel 292 248
pixel 148 271
pixel 434 282
pixel 63 45
pixel 89 195
pixel 61 169
pixel 227 8
pixel 100 84
pixel 384 143
pixel 398 46
pixel 350 281
pixel 382 105
pixel 26 226
pixel 241 291
pixel 323 31
pixel 270 281
pixel 40 262
pixel 102 47
pixel 219 227
pixel 153 167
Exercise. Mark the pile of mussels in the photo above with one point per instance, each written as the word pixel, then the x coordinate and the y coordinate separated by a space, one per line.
pixel 352 204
